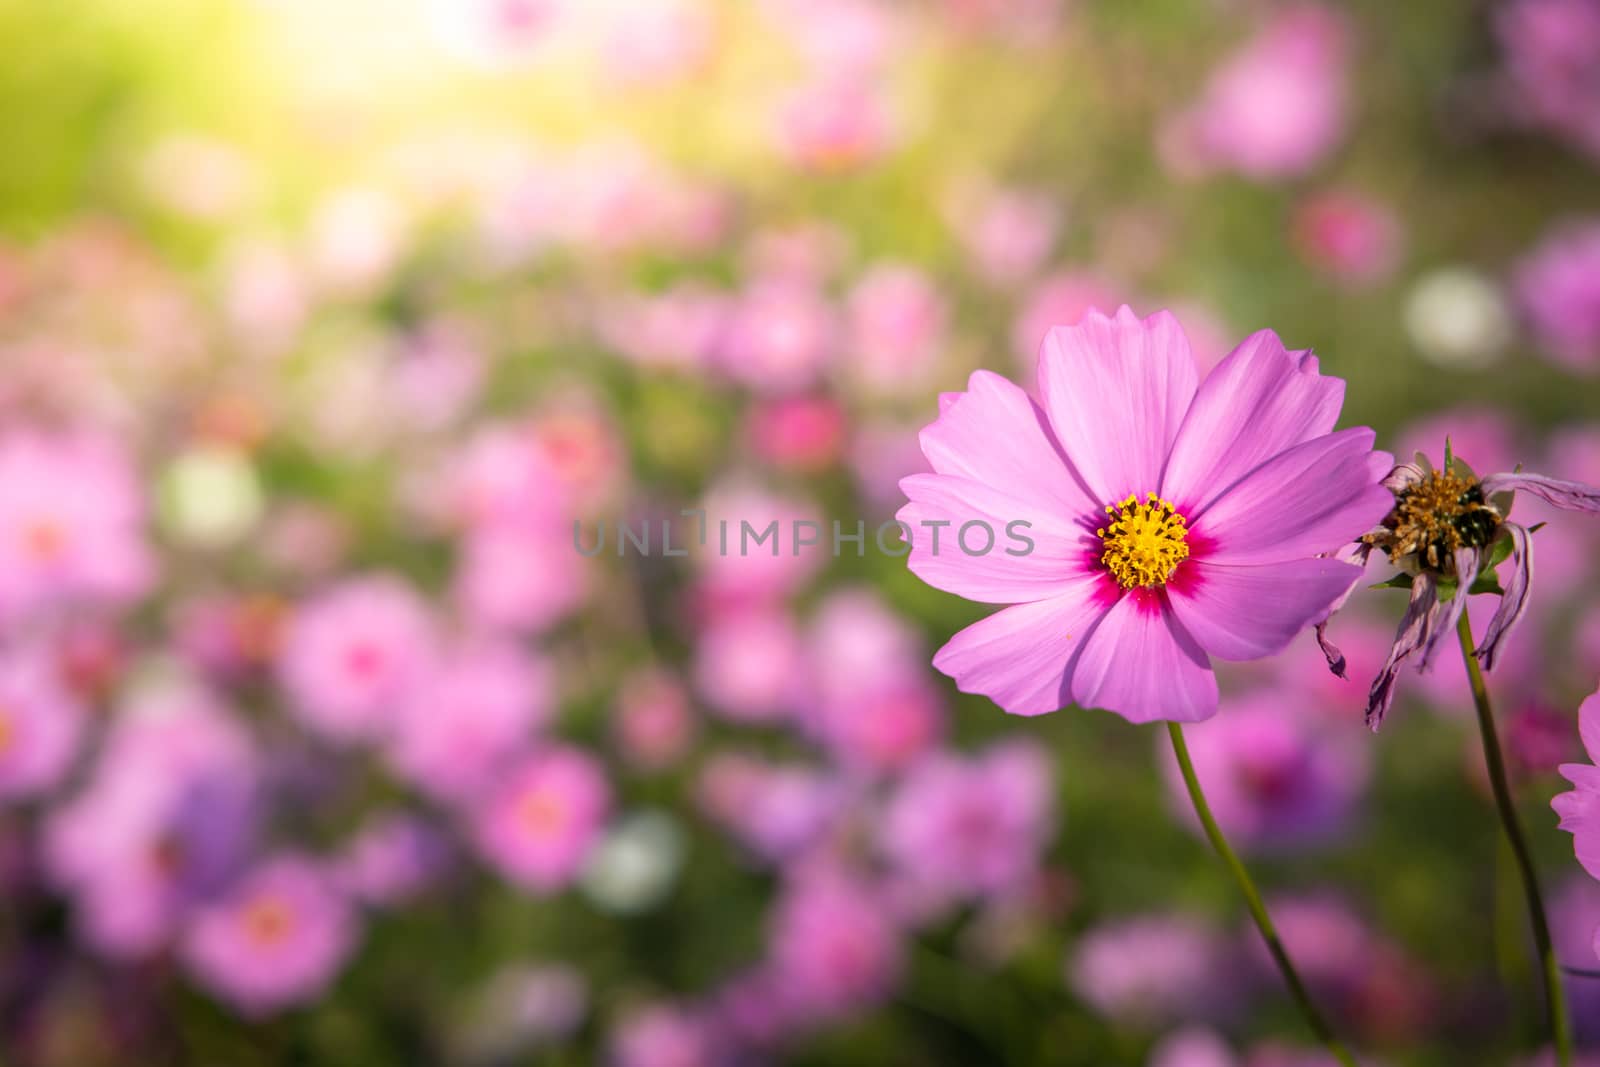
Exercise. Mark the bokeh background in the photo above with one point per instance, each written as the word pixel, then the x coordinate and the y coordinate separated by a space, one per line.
pixel 322 323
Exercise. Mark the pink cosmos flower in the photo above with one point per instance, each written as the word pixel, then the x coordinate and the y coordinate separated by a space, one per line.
pixel 277 939
pixel 972 827
pixel 466 715
pixel 1172 520
pixel 1558 286
pixel 57 548
pixel 538 825
pixel 1580 808
pixel 352 653
pixel 1276 108
pixel 40 724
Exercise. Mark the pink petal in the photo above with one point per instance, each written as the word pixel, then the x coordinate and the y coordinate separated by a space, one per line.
pixel 1062 548
pixel 994 433
pixel 1514 603
pixel 1314 498
pixel 1022 657
pixel 1241 613
pixel 1116 390
pixel 1259 401
pixel 1589 726
pixel 1143 665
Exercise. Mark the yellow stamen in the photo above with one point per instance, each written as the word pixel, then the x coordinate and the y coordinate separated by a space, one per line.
pixel 1145 542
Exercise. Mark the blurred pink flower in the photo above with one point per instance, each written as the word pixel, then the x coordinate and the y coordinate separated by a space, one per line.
pixel 167 816
pixel 352 653
pixel 1558 285
pixel 1153 968
pixel 1009 233
pixel 1348 236
pixel 1060 298
pixel 519 579
pixel 777 811
pixel 1192 1047
pixel 41 724
pixel 653 722
pixel 391 858
pixel 81 548
pixel 752 569
pixel 466 714
pixel 678 328
pixel 780 336
pixel 833 945
pixel 277 939
pixel 834 124
pixel 749 664
pixel 1127 618
pixel 1273 777
pixel 885 724
pixel 1552 49
pixel 537 825
pixel 897 321
pixel 802 434
pixel 971 827
pixel 665 1035
pixel 650 42
pixel 1276 108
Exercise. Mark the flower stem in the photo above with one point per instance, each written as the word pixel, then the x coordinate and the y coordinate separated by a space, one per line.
pixel 1252 896
pixel 1555 997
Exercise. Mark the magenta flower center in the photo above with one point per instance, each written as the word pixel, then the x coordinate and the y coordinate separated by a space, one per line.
pixel 1144 542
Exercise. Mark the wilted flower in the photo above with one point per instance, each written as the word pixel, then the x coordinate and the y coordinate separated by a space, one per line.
pixel 1447 532
pixel 1171 520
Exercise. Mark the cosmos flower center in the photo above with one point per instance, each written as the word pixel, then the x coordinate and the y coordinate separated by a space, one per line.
pixel 1439 514
pixel 542 814
pixel 1144 541
pixel 268 921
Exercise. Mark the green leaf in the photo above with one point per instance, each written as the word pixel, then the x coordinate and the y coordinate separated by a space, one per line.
pixel 1399 581
pixel 1487 583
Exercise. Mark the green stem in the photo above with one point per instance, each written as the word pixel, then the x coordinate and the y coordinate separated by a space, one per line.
pixel 1258 910
pixel 1554 996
